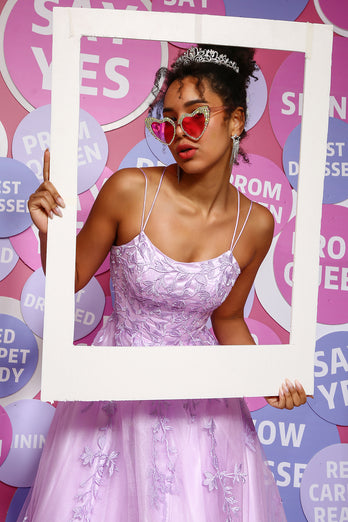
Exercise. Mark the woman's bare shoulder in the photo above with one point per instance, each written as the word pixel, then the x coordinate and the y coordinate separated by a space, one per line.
pixel 129 180
pixel 260 222
pixel 261 218
pixel 125 185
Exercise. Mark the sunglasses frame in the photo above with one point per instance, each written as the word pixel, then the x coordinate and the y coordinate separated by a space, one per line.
pixel 203 109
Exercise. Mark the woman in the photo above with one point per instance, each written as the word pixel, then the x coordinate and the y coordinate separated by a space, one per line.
pixel 185 245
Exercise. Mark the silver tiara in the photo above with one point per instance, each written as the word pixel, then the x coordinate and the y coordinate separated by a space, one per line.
pixel 198 55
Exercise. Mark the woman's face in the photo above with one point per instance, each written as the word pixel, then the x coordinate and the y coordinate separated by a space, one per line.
pixel 213 149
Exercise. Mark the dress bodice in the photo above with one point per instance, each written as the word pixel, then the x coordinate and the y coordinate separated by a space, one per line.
pixel 156 297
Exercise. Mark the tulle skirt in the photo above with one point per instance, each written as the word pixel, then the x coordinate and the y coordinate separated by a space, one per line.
pixel 153 461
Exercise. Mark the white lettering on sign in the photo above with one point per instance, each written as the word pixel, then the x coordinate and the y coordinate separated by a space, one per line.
pixel 35 302
pixel 6 255
pixel 14 205
pixel 14 355
pixel 8 187
pixel 267 432
pixel 287 473
pixel 44 66
pixel 145 162
pixel 293 103
pixel 84 317
pixel 181 3
pixel 30 441
pixel 42 11
pixel 5 374
pixel 337 388
pixel 330 514
pixel 334 169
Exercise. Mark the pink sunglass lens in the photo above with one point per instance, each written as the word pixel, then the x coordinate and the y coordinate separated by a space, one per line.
pixel 194 125
pixel 163 130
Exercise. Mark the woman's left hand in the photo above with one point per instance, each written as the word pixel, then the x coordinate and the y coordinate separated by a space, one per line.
pixel 290 395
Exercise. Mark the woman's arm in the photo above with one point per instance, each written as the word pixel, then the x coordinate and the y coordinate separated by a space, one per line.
pixel 118 198
pixel 228 320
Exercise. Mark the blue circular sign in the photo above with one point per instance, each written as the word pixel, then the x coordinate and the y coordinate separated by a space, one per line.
pixel 273 9
pixel 336 168
pixel 17 182
pixel 331 378
pixel 290 438
pixel 18 354
pixel 143 155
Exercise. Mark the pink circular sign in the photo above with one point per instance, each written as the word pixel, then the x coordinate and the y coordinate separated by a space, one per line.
pixel 5 434
pixel 333 282
pixel 116 74
pixel 286 94
pixel 286 97
pixel 263 181
pixel 334 12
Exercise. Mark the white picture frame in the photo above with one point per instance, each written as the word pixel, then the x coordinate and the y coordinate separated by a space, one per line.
pixel 125 373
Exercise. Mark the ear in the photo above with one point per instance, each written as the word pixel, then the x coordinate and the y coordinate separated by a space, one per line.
pixel 237 122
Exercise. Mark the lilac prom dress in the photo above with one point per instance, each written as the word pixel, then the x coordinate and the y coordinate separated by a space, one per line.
pixel 156 461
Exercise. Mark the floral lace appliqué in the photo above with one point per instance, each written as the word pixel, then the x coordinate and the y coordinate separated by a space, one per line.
pixel 162 301
pixel 163 478
pixel 219 479
pixel 102 465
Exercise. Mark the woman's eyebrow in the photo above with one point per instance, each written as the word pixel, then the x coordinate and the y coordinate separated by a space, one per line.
pixel 186 105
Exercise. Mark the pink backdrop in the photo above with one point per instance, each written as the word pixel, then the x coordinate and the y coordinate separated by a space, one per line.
pixel 111 89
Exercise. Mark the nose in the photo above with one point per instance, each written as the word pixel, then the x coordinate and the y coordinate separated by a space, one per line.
pixel 178 130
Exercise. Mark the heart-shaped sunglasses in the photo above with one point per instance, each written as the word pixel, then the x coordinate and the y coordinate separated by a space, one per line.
pixel 193 124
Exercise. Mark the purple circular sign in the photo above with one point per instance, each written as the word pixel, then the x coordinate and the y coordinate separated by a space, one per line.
pixel 18 354
pixel 32 137
pixel 336 169
pixel 17 182
pixel 325 484
pixel 16 505
pixel 256 99
pixel 30 421
pixel 331 378
pixel 89 305
pixel 142 156
pixel 273 9
pixel 8 258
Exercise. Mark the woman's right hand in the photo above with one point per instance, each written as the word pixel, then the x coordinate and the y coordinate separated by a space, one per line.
pixel 46 201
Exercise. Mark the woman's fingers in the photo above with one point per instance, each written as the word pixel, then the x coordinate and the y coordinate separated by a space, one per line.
pixel 48 186
pixel 290 395
pixel 46 165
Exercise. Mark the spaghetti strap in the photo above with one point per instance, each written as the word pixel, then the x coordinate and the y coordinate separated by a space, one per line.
pixel 145 192
pixel 237 220
pixel 144 223
pixel 234 242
